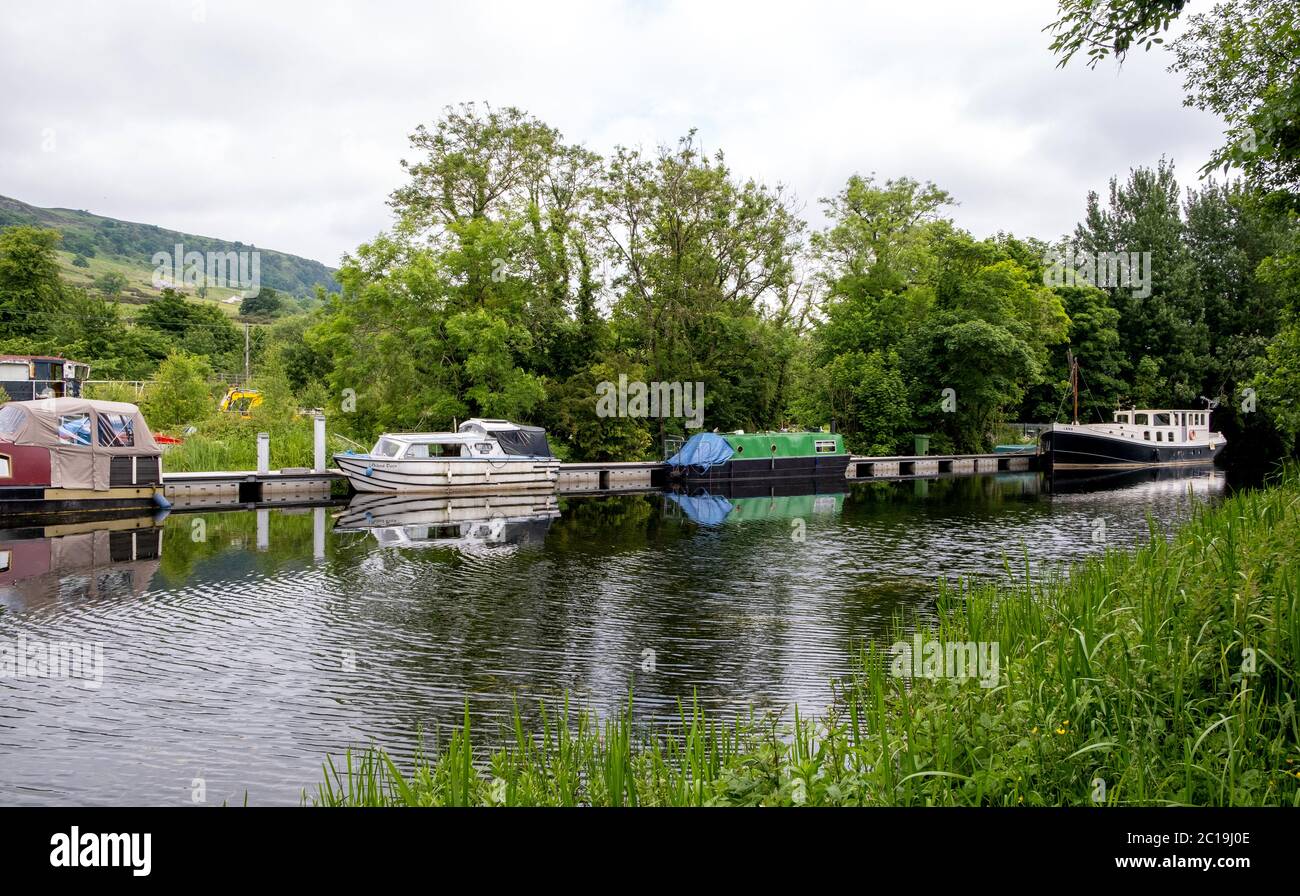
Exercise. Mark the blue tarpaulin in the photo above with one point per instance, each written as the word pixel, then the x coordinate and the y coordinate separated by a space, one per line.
pixel 703 451
pixel 703 509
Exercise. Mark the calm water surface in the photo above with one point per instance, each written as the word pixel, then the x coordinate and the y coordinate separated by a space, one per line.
pixel 242 647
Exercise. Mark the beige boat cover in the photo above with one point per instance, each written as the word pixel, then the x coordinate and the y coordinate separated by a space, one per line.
pixel 75 465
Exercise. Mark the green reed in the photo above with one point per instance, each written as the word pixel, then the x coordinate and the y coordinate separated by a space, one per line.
pixel 1161 675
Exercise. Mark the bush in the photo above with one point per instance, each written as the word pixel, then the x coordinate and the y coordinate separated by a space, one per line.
pixel 180 395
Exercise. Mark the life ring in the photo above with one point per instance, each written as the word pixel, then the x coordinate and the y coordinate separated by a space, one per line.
pixel 1193 434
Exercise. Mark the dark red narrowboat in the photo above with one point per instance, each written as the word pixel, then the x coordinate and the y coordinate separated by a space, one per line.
pixel 73 455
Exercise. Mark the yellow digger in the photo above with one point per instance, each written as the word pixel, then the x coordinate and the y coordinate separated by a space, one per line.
pixel 241 401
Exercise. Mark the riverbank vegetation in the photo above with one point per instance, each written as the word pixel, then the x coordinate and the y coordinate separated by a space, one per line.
pixel 523 269
pixel 1161 675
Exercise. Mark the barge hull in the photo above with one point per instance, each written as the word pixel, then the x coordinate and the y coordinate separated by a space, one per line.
pixel 1066 450
pixel 74 502
pixel 832 467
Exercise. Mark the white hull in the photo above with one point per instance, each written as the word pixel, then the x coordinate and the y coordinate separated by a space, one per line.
pixel 449 475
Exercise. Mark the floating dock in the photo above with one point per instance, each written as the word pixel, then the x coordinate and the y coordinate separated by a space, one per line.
pixel 930 465
pixel 306 486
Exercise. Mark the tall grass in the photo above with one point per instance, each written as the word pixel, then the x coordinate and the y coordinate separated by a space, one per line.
pixel 231 444
pixel 1162 675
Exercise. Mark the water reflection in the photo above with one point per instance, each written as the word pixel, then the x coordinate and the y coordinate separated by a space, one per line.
pixel 253 643
pixel 82 561
pixel 468 524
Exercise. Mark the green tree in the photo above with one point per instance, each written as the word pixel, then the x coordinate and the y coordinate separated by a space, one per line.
pixel 263 306
pixel 197 328
pixel 1143 215
pixel 180 395
pixel 110 284
pixel 1241 61
pixel 704 263
pixel 1100 28
pixel 31 292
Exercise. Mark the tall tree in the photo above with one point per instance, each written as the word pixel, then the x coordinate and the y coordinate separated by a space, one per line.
pixel 31 292
pixel 704 263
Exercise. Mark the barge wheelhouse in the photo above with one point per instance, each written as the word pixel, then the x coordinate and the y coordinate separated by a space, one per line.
pixel 482 456
pixel 716 458
pixel 69 455
pixel 1134 438
pixel 29 377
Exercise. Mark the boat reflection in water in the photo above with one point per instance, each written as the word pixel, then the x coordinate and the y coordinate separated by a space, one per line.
pixel 43 564
pixel 1203 479
pixel 749 502
pixel 471 523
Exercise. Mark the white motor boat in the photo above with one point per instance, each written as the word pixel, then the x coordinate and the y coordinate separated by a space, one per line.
pixel 482 457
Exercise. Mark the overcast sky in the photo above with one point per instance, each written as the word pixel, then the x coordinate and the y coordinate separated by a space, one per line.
pixel 282 124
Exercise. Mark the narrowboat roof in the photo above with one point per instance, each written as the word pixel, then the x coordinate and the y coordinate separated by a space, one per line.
pixel 782 444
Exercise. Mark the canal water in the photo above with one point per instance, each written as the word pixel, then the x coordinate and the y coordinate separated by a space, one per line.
pixel 238 649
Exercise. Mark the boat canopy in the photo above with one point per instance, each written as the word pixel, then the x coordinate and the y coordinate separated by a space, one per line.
pixel 82 436
pixel 704 450
pixel 514 438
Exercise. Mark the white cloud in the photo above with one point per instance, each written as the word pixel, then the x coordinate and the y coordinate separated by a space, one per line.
pixel 281 124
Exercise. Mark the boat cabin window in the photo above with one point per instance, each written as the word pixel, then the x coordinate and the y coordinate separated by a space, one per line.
pixel 387 448
pixel 1142 419
pixel 824 446
pixel 1122 418
pixel 116 431
pixel 1160 420
pixel 74 429
pixel 424 450
pixel 1147 435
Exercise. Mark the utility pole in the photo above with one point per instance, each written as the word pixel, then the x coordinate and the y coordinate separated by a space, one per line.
pixel 246 354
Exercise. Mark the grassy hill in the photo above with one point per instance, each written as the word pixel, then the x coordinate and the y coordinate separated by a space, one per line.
pixel 109 244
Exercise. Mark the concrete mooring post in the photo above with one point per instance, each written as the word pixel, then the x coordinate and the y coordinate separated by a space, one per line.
pixel 318 440
pixel 263 452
